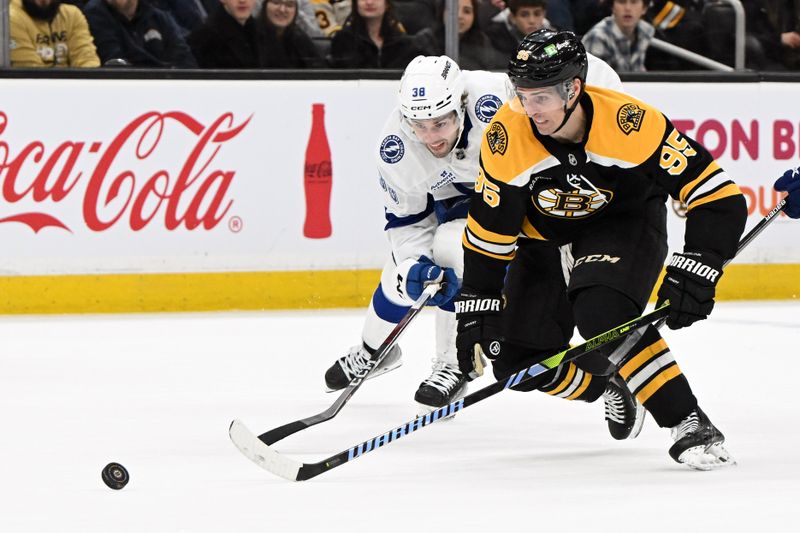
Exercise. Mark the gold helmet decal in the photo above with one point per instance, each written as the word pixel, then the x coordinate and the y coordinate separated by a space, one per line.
pixel 523 55
pixel 629 118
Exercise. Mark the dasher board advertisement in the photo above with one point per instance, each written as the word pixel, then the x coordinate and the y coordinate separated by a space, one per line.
pixel 134 176
pixel 190 176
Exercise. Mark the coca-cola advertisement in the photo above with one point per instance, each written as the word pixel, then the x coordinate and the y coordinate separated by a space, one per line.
pixel 138 177
pixel 196 194
pixel 129 176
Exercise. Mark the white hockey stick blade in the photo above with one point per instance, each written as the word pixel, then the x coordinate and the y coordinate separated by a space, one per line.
pixel 261 454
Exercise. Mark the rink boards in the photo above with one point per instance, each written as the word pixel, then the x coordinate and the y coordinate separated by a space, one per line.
pixel 190 195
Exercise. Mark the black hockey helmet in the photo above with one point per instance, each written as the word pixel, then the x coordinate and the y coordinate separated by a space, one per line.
pixel 546 57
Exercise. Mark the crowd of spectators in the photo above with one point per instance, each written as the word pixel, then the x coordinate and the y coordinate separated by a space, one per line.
pixel 370 34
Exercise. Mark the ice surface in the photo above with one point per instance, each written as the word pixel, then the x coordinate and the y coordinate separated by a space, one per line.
pixel 157 392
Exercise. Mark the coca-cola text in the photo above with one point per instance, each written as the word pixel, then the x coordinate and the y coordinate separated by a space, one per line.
pixel 195 195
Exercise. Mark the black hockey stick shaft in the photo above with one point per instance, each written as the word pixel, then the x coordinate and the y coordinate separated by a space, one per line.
pixel 309 470
pixel 306 471
pixel 274 435
pixel 630 341
pixel 758 228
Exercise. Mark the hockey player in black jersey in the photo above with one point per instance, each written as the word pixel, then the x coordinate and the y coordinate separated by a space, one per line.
pixel 567 227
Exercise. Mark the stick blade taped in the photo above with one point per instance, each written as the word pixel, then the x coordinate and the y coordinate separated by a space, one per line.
pixel 261 454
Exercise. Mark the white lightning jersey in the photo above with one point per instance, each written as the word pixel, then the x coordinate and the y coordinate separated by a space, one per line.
pixel 422 191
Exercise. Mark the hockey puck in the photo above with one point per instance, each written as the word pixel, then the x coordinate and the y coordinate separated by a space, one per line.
pixel 115 476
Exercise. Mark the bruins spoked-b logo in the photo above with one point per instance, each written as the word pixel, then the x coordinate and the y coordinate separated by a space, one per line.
pixel 580 202
pixel 629 118
pixel 497 138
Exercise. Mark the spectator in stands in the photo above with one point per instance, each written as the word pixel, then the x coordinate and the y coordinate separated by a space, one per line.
pixel 475 51
pixel 622 39
pixel 331 14
pixel 679 22
pixel 187 14
pixel 487 10
pixel 418 15
pixel 229 38
pixel 767 46
pixel 209 6
pixel 587 13
pixel 285 44
pixel 133 32
pixel 373 38
pixel 307 18
pixel 784 15
pixel 524 17
pixel 46 33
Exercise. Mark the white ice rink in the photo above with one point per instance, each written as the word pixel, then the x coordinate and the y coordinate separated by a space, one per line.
pixel 157 392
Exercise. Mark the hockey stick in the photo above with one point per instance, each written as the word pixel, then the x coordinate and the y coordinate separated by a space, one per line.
pixel 272 461
pixel 274 435
pixel 622 350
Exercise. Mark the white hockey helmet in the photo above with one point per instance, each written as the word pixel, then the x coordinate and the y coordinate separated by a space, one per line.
pixel 431 87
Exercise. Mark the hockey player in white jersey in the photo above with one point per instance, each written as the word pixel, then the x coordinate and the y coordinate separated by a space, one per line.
pixel 427 158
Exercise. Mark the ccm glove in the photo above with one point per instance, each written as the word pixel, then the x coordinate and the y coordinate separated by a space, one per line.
pixel 790 183
pixel 423 273
pixel 689 285
pixel 480 331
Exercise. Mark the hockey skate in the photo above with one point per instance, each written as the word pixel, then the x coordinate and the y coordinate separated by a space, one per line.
pixel 445 385
pixel 698 444
pixel 355 363
pixel 625 415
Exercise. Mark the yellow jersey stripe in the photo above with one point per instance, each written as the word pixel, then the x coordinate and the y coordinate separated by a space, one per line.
pixel 529 231
pixel 469 246
pixel 729 190
pixel 713 167
pixel 489 236
pixel 677 19
pixel 663 13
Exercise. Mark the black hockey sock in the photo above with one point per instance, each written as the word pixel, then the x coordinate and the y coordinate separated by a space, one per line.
pixel 654 377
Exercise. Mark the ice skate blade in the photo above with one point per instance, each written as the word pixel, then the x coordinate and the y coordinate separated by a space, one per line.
pixel 374 374
pixel 705 458
pixel 641 414
pixel 423 410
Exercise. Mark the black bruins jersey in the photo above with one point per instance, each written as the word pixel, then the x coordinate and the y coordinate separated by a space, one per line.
pixel 533 187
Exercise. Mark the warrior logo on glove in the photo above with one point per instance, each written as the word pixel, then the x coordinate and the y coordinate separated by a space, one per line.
pixel 478 305
pixel 695 267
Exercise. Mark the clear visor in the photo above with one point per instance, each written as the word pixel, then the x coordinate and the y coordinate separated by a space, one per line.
pixel 532 101
pixel 432 129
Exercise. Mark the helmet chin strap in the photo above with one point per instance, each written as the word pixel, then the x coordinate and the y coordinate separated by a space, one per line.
pixel 567 112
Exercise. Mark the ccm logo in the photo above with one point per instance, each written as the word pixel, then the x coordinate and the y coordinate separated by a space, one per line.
pixel 596 258
pixel 419 107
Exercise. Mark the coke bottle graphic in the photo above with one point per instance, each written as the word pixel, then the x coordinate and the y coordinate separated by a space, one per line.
pixel 318 178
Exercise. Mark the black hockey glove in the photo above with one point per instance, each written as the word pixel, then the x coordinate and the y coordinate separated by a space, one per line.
pixel 480 331
pixel 689 285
